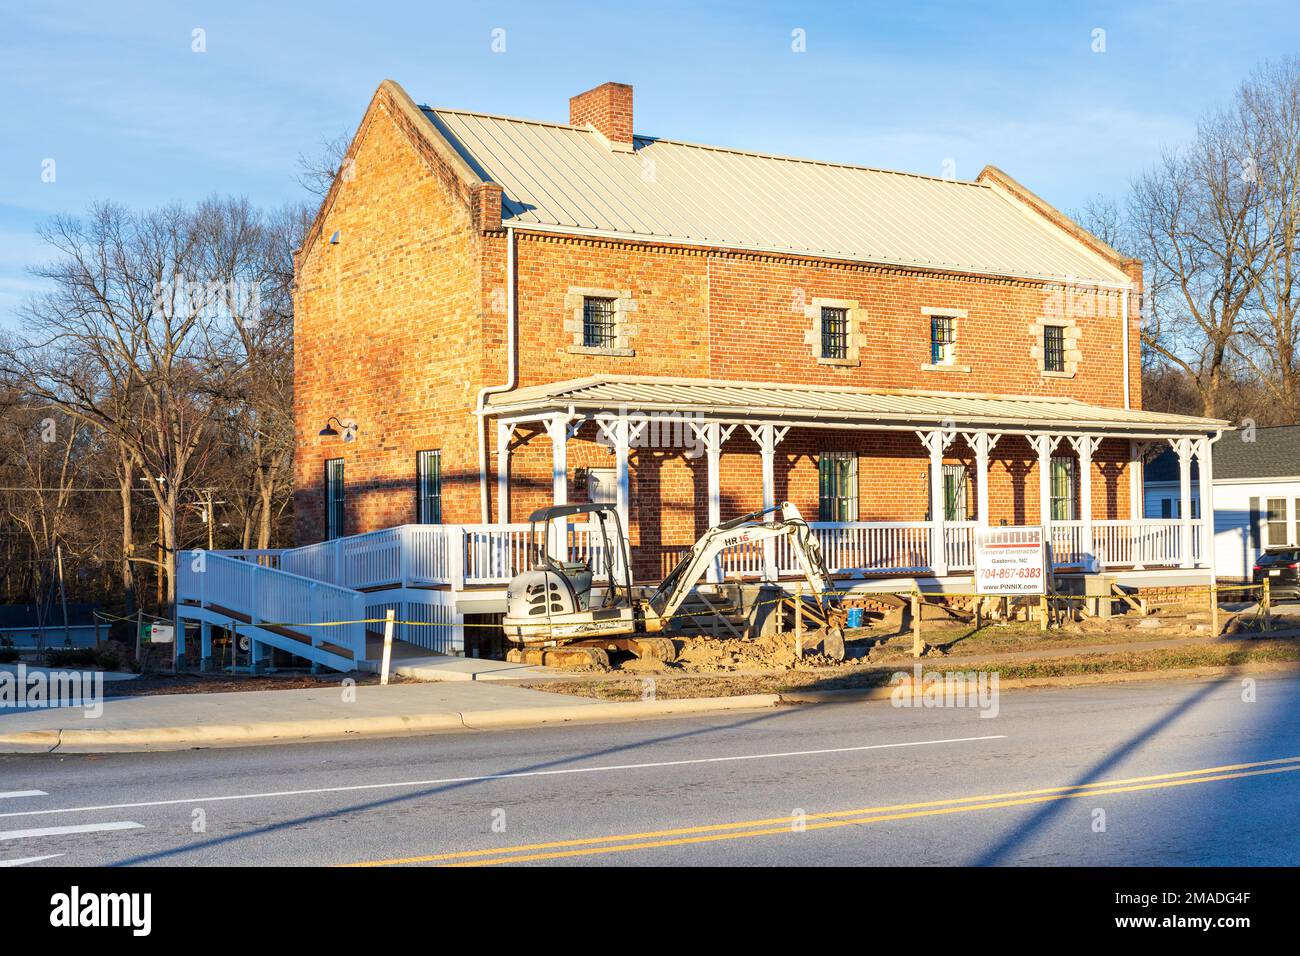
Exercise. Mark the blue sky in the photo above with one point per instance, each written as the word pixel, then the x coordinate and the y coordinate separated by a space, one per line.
pixel 115 95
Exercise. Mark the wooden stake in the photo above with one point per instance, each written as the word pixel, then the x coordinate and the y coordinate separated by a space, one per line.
pixel 798 621
pixel 1042 613
pixel 1214 609
pixel 918 645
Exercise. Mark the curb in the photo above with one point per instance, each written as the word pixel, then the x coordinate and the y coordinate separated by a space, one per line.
pixel 293 731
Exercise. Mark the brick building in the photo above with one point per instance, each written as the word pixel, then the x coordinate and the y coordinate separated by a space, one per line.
pixel 494 314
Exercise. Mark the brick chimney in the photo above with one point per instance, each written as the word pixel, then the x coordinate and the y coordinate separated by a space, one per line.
pixel 608 108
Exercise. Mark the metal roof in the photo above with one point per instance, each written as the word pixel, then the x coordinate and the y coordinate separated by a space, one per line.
pixel 569 178
pixel 835 403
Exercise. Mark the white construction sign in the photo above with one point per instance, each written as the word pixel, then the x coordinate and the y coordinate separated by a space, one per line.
pixel 1010 560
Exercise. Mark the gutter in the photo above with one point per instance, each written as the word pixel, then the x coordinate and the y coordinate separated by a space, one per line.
pixel 1124 318
pixel 512 374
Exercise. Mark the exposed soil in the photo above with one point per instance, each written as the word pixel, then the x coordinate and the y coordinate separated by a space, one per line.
pixel 149 684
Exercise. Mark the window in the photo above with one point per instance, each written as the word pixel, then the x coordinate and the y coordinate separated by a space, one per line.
pixel 1276 523
pixel 835 333
pixel 943 339
pixel 1167 507
pixel 837 486
pixel 1297 521
pixel 428 487
pixel 598 323
pixel 1053 348
pixel 1064 484
pixel 334 512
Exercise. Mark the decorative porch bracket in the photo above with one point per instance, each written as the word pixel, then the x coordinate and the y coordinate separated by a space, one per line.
pixel 935 442
pixel 982 443
pixel 767 436
pixel 712 435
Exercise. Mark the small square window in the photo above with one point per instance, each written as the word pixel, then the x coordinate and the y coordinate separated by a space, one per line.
pixel 598 325
pixel 943 339
pixel 835 333
pixel 1054 348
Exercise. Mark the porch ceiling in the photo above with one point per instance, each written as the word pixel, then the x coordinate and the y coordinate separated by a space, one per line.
pixel 836 404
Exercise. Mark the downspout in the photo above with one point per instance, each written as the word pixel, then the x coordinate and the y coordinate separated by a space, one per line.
pixel 1124 312
pixel 480 407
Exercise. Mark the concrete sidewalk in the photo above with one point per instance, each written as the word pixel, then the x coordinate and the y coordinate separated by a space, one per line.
pixel 176 721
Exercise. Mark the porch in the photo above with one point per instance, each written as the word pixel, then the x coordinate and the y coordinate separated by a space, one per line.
pixel 927 469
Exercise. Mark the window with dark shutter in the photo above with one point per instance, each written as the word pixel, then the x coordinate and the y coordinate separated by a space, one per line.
pixel 335 513
pixel 428 480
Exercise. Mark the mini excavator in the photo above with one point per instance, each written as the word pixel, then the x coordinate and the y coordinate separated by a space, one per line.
pixel 552 607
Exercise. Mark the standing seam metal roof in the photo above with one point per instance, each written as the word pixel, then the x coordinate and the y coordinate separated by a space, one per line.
pixel 568 177
pixel 834 402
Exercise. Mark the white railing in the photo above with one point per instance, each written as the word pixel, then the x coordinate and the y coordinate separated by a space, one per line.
pixel 269 597
pixel 461 555
pixel 959 545
pixel 266 557
pixel 1148 543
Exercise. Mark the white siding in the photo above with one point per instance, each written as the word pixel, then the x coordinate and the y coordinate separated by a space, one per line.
pixel 1234 555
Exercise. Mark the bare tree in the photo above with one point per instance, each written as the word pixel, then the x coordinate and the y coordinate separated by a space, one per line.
pixel 1194 220
pixel 317 171
pixel 1265 124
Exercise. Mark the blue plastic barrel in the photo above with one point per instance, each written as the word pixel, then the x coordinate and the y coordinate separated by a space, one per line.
pixel 855 617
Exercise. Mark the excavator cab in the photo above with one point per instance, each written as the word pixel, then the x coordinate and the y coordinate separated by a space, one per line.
pixel 559 586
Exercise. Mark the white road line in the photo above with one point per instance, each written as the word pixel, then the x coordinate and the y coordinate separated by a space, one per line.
pixel 29 859
pixel 7 794
pixel 496 776
pixel 62 831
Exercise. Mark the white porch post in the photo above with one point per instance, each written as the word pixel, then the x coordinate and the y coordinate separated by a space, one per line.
pixel 1136 481
pixel 504 432
pixel 1205 455
pixel 1183 447
pixel 982 443
pixel 768 436
pixel 557 429
pixel 1045 445
pixel 935 442
pixel 1084 446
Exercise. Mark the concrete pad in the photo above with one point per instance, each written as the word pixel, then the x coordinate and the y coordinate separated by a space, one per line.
pixel 439 667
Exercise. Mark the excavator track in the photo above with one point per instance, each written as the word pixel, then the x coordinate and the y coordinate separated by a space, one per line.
pixel 656 648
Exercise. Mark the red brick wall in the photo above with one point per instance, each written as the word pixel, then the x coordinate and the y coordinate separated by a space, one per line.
pixel 388 329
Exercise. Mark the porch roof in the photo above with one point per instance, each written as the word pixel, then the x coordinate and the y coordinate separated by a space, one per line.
pixel 828 404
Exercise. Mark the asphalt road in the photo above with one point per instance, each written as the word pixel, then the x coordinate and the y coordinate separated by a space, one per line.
pixel 849 783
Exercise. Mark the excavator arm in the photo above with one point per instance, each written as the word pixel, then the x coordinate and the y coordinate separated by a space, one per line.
pixel 665 601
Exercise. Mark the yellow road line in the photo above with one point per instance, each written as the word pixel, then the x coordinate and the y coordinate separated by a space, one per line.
pixel 680 836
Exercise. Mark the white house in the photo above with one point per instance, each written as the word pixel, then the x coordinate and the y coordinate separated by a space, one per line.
pixel 1256 496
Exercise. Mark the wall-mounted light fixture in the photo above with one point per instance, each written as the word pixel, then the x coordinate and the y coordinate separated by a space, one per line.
pixel 349 429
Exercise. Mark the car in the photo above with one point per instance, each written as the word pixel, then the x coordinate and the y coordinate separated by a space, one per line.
pixel 1281 567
